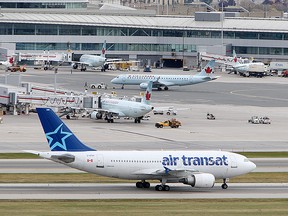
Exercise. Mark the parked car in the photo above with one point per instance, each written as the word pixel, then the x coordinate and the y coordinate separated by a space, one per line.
pixel 265 120
pixel 254 120
pixel 99 86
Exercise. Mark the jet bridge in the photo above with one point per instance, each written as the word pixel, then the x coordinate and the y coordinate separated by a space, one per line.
pixel 23 98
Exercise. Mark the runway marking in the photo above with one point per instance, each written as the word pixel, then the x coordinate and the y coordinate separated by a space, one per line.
pixel 160 138
pixel 255 96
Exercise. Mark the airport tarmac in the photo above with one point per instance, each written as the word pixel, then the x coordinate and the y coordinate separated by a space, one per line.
pixel 232 99
pixel 129 191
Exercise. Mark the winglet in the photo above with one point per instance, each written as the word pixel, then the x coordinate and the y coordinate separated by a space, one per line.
pixel 147 97
pixel 58 135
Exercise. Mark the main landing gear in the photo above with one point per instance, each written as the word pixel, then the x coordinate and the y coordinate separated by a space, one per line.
pixel 143 184
pixel 162 188
pixel 224 185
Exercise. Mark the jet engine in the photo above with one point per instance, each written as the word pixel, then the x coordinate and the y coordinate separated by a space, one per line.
pixel 96 115
pixel 199 180
pixel 74 66
pixel 143 85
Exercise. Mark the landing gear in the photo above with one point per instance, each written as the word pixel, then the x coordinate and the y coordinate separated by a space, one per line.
pixel 137 120
pixel 83 68
pixel 166 88
pixel 122 86
pixel 162 188
pixel 143 184
pixel 159 89
pixel 224 185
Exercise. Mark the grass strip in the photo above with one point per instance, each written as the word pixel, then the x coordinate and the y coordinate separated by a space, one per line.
pixel 91 178
pixel 167 207
pixel 247 154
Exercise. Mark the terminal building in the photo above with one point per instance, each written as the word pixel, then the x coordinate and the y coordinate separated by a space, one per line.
pixel 174 40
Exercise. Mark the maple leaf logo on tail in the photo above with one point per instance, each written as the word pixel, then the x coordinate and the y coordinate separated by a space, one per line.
pixel 235 59
pixel 148 95
pixel 103 51
pixel 11 60
pixel 208 70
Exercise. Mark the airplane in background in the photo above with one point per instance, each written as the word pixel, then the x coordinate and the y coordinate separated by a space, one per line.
pixel 5 65
pixel 93 61
pixel 247 69
pixel 166 81
pixel 198 169
pixel 112 107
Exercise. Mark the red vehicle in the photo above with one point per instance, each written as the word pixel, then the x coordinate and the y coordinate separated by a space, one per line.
pixel 285 73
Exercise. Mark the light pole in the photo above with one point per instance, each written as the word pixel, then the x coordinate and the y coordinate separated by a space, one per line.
pixel 55 79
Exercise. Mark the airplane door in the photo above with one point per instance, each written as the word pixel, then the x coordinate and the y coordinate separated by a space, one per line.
pixel 233 161
pixel 100 161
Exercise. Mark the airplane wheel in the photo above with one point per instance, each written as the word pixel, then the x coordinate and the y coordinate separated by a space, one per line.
pixel 224 186
pixel 139 184
pixel 165 88
pixel 146 184
pixel 159 188
pixel 166 188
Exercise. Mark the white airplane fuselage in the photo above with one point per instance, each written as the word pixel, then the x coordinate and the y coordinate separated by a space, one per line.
pixel 145 164
pixel 126 108
pixel 169 80
pixel 92 60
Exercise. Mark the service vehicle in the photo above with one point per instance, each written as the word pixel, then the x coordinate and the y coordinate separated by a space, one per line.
pixel 265 120
pixel 101 85
pixel 167 111
pixel 173 123
pixel 210 116
pixel 254 120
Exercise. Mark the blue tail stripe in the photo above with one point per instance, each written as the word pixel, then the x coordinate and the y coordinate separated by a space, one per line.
pixel 58 135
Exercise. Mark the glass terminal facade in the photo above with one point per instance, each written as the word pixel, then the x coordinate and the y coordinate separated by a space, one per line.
pixel 75 30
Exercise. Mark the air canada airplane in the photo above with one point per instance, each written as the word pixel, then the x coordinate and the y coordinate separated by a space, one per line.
pixel 6 64
pixel 92 61
pixel 112 107
pixel 166 81
pixel 198 169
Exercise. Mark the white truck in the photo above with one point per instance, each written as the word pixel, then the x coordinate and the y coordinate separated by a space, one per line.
pixel 98 85
pixel 254 69
pixel 278 67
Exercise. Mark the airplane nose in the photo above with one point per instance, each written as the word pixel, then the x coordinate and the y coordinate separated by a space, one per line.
pixel 113 80
pixel 252 166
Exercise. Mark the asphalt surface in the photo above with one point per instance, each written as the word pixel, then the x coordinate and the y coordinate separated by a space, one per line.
pixel 129 191
pixel 232 99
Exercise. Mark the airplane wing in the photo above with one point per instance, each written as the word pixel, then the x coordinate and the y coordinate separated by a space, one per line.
pixel 111 111
pixel 84 63
pixel 157 84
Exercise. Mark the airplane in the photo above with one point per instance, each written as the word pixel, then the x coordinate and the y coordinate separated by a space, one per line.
pixel 112 107
pixel 257 68
pixel 198 169
pixel 92 61
pixel 166 81
pixel 5 65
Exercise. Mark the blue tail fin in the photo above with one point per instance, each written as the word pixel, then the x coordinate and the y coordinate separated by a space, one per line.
pixel 58 135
